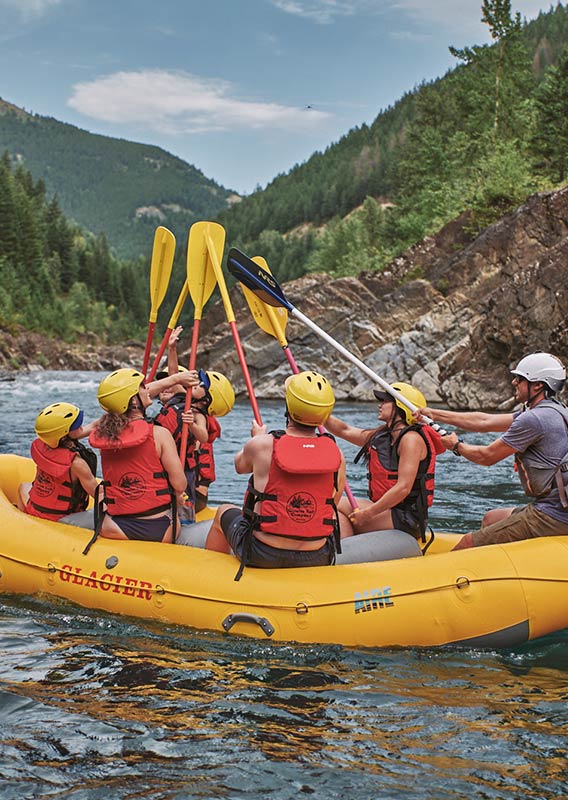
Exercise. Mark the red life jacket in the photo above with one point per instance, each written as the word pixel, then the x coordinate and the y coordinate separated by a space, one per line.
pixel 54 493
pixel 298 499
pixel 134 478
pixel 169 418
pixel 204 453
pixel 383 469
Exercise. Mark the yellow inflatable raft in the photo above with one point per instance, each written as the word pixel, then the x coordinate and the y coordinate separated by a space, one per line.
pixel 495 596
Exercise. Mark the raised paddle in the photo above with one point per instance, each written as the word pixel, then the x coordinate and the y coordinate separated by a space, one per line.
pixel 229 313
pixel 273 321
pixel 160 270
pixel 267 288
pixel 205 239
pixel 183 295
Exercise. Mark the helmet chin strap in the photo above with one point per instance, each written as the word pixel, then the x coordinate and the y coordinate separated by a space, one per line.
pixel 394 418
pixel 542 390
pixel 136 405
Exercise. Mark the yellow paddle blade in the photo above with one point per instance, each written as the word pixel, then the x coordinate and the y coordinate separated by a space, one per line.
pixel 215 257
pixel 163 253
pixel 271 320
pixel 201 277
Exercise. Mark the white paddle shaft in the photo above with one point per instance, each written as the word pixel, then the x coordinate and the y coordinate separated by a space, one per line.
pixel 363 367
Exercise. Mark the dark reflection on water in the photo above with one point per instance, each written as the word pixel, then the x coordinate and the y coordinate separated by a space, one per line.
pixel 93 706
pixel 97 704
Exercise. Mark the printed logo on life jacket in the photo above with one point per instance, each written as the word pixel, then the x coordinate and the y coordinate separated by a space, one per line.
pixel 44 484
pixel 132 485
pixel 301 507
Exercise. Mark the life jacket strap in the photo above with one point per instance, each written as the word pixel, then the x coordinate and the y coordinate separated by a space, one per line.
pixel 99 516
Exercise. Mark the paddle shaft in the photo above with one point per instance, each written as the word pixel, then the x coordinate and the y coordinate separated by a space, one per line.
pixel 295 369
pixel 230 314
pixel 183 295
pixel 200 282
pixel 362 366
pixel 148 348
pixel 189 393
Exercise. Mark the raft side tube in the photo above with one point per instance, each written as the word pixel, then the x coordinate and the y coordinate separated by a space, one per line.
pixel 373 546
pixel 388 545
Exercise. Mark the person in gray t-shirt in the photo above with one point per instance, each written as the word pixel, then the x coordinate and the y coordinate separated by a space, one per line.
pixel 537 437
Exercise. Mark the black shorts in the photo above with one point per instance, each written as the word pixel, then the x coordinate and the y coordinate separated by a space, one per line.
pixel 190 488
pixel 404 520
pixel 236 527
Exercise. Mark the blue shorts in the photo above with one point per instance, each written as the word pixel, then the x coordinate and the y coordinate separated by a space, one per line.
pixel 143 529
pixel 236 528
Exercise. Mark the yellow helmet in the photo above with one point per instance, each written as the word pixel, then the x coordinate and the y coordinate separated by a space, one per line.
pixel 309 398
pixel 412 394
pixel 222 394
pixel 118 388
pixel 55 422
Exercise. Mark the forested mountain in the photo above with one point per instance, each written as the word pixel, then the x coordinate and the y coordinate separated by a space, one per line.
pixel 54 278
pixel 482 138
pixel 107 185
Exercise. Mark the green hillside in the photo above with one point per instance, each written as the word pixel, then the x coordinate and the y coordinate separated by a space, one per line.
pixel 480 139
pixel 56 279
pixel 120 188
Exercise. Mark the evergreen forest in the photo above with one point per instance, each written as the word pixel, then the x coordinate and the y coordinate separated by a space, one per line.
pixel 122 189
pixel 479 140
pixel 55 278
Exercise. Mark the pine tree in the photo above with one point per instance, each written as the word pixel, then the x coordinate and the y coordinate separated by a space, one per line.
pixel 550 135
pixel 507 62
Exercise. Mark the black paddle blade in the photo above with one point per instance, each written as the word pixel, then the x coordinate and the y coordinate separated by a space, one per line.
pixel 257 279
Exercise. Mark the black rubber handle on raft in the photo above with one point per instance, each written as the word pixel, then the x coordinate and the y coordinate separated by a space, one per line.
pixel 262 622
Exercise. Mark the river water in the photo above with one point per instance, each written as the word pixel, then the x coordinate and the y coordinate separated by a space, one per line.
pixel 94 706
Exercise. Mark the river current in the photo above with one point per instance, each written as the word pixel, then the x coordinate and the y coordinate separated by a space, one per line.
pixel 95 706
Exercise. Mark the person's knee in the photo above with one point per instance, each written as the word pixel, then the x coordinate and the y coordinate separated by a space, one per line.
pixel 216 539
pixel 23 495
pixel 221 510
pixel 495 515
pixel 465 542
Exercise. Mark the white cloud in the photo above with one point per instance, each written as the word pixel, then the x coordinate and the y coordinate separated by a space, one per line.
pixel 461 15
pixel 177 102
pixel 453 15
pixel 29 9
pixel 321 11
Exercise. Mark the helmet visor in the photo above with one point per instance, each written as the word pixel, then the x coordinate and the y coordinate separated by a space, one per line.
pixel 383 397
pixel 204 379
pixel 78 422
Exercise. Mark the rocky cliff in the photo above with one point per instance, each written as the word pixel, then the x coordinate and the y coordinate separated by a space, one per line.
pixel 450 316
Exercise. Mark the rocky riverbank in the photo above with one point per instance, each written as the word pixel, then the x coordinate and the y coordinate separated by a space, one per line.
pixel 23 350
pixel 451 316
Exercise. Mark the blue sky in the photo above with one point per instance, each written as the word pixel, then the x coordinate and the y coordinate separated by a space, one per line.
pixel 242 89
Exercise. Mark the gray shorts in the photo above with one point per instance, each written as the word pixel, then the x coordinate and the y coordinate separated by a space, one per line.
pixel 236 528
pixel 526 522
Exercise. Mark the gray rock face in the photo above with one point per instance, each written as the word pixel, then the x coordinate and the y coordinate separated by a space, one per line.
pixel 478 306
pixel 450 316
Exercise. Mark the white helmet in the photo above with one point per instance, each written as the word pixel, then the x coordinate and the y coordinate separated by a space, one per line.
pixel 544 368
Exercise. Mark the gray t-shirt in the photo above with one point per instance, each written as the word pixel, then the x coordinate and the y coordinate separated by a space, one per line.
pixel 544 431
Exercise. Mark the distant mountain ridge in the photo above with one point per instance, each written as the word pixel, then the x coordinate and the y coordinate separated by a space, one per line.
pixel 405 156
pixel 121 188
